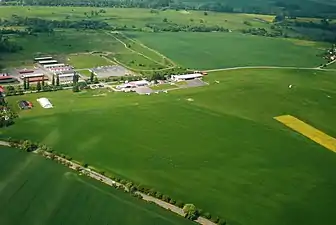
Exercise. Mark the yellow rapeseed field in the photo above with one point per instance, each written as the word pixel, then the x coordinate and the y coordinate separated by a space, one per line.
pixel 308 131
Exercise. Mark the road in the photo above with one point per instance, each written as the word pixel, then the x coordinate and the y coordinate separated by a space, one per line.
pixel 110 182
pixel 268 67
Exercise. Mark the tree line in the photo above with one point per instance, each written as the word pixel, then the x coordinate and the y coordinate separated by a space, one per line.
pixel 309 9
pixel 43 25
pixel 325 28
pixel 174 27
pixel 38 25
pixel 7 115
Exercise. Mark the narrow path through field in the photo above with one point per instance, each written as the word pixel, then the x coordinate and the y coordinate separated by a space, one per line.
pixel 132 50
pixel 151 49
pixel 110 182
pixel 138 70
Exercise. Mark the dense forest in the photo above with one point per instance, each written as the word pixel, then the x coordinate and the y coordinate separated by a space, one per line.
pixel 307 8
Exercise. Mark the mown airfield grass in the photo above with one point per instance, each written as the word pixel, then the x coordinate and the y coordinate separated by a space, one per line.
pixel 223 50
pixel 223 151
pixel 34 191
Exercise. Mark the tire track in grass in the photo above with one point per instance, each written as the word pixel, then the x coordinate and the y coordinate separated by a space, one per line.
pixel 15 192
pixel 11 177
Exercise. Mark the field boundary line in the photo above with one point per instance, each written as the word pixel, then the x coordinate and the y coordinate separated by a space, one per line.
pixel 151 49
pixel 308 131
pixel 267 67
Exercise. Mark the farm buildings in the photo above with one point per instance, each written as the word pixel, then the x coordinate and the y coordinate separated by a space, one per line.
pixel 64 72
pixel 6 78
pixel 132 85
pixel 32 76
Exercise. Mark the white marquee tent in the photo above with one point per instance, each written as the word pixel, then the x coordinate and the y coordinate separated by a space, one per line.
pixel 45 103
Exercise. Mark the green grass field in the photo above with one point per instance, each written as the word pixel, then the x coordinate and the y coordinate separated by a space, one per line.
pixel 135 61
pixel 85 73
pixel 332 66
pixel 223 151
pixel 62 43
pixel 138 47
pixel 67 43
pixel 34 191
pixel 84 61
pixel 136 17
pixel 222 50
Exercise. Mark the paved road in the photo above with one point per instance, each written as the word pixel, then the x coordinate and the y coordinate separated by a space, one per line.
pixel 268 67
pixel 111 182
pixel 4 143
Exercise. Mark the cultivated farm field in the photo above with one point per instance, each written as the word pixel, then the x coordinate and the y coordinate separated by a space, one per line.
pixel 218 146
pixel 225 50
pixel 34 191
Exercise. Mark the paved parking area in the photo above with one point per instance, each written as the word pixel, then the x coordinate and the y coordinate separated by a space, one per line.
pixel 193 83
pixel 111 71
pixel 143 90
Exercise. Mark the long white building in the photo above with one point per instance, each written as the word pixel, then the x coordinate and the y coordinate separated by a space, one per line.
pixel 186 77
pixel 53 65
pixel 29 75
pixel 43 62
pixel 43 58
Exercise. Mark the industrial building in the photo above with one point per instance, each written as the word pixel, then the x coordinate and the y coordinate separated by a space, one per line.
pixel 43 58
pixel 45 62
pixel 6 78
pixel 56 65
pixel 66 77
pixel 131 86
pixel 33 75
pixel 186 77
